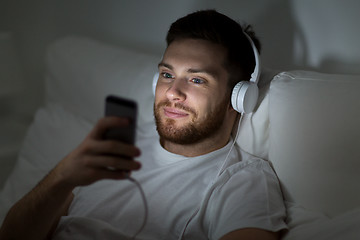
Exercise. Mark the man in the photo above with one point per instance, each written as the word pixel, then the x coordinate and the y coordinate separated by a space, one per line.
pixel 197 185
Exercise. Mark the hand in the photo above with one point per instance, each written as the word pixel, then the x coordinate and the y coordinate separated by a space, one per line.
pixel 96 158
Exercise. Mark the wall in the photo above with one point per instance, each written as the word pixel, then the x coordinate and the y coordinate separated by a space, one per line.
pixel 331 35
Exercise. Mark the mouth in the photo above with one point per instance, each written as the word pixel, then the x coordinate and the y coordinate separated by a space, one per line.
pixel 174 113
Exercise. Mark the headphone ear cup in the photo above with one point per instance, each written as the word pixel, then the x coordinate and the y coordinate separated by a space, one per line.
pixel 154 83
pixel 244 96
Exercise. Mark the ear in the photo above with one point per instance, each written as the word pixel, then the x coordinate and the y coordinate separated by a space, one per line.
pixel 231 109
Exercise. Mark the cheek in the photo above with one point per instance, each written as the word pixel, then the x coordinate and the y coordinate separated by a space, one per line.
pixel 209 107
pixel 201 105
pixel 159 92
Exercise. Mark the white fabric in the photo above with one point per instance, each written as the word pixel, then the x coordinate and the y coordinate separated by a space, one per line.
pixel 315 139
pixel 306 224
pixel 247 194
pixel 52 135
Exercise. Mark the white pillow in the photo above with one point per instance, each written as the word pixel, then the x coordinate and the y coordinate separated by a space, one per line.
pixel 81 72
pixel 52 135
pixel 315 139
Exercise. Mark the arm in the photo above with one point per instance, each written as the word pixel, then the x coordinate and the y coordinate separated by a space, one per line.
pixel 36 215
pixel 251 234
pixel 38 211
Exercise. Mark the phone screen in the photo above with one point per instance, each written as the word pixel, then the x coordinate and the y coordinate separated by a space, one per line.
pixel 121 107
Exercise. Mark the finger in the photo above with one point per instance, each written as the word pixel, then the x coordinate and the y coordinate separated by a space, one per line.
pixel 114 163
pixel 112 174
pixel 106 123
pixel 111 147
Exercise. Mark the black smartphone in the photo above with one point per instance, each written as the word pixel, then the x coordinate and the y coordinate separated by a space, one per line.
pixel 121 107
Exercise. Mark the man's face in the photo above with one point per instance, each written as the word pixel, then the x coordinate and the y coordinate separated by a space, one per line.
pixel 192 99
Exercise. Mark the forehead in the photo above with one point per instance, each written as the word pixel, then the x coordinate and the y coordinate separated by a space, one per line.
pixel 196 54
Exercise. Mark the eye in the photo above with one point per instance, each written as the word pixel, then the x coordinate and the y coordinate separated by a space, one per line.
pixel 166 75
pixel 197 80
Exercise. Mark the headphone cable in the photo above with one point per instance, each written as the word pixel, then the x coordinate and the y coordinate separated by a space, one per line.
pixel 146 209
pixel 232 146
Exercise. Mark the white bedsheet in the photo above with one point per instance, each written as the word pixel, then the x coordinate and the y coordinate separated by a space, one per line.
pixel 308 225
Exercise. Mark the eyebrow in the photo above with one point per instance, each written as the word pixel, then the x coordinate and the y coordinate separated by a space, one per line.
pixel 191 70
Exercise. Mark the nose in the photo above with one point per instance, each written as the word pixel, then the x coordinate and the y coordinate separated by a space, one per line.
pixel 176 90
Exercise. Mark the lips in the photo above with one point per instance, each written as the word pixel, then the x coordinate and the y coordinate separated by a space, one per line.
pixel 174 113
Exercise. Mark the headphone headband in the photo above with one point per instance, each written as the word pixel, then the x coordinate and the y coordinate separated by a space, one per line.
pixel 256 74
pixel 245 93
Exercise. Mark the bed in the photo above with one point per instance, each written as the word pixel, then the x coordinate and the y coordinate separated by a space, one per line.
pixel 306 124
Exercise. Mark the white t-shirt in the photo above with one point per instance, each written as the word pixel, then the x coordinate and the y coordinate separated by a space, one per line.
pixel 186 198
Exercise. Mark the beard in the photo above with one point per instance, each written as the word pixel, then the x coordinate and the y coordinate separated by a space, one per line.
pixel 195 130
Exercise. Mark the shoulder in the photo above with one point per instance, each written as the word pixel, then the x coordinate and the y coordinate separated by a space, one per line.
pixel 252 176
pixel 246 195
pixel 247 167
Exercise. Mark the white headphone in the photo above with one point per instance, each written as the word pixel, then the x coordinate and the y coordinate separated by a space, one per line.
pixel 245 93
